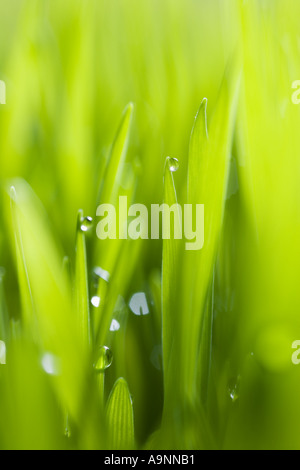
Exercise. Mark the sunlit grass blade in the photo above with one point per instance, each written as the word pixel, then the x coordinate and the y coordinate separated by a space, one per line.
pixel 169 272
pixel 119 416
pixel 205 347
pixel 24 283
pixel 107 251
pixel 197 152
pixel 211 178
pixel 4 318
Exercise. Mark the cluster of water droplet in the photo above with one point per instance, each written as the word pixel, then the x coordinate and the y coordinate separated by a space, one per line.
pixel 86 224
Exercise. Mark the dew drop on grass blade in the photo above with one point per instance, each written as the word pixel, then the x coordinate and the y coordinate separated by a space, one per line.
pixel 170 278
pixel 81 280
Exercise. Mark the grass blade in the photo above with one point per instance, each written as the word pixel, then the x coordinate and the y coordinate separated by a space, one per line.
pixel 120 417
pixel 58 332
pixel 81 284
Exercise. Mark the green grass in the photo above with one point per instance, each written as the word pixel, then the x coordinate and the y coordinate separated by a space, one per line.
pixel 100 97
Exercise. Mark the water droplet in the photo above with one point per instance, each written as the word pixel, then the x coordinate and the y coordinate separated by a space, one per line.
pixel 173 164
pixel 86 224
pixel 115 325
pixel 2 352
pixel 138 304
pixel 67 431
pixel 95 301
pixel 99 272
pixel 233 389
pixel 104 359
pixel 51 364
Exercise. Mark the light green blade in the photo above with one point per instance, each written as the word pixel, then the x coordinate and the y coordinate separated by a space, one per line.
pixel 170 274
pixel 208 171
pixel 120 417
pixel 109 184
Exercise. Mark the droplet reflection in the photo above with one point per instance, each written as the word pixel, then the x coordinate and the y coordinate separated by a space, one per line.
pixel 51 364
pixel 115 325
pixel 138 304
pixel 2 352
pixel 99 272
pixel 95 301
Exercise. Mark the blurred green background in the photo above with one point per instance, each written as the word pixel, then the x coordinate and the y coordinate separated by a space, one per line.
pixel 70 69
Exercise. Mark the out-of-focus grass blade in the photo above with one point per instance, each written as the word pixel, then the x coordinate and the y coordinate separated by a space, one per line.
pixel 27 401
pixel 24 284
pixel 120 417
pixel 4 319
pixel 205 347
pixel 51 295
pixel 81 284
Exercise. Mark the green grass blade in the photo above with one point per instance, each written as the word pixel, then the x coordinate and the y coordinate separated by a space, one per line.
pixel 24 283
pixel 108 252
pixel 170 279
pixel 110 183
pixel 120 417
pixel 169 271
pixel 81 285
pixel 4 318
pixel 58 332
pixel 197 152
pixel 211 161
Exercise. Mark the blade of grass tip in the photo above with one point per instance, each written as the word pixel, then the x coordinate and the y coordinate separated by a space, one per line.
pixel 119 415
pixel 81 284
pixel 24 283
pixel 111 180
pixel 197 151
